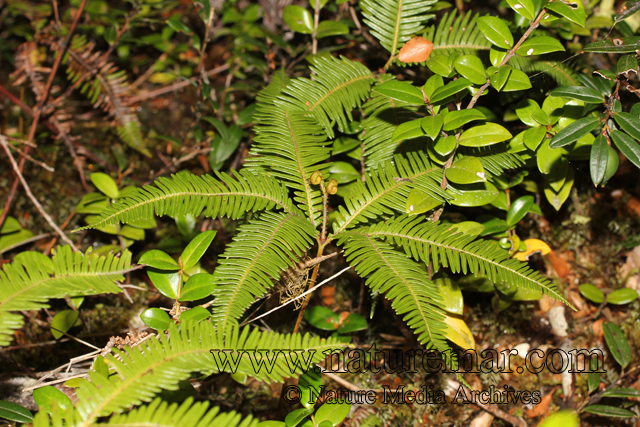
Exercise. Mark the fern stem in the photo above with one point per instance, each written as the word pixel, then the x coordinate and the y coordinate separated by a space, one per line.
pixel 509 55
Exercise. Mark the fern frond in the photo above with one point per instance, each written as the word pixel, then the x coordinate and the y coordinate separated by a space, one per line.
pixel 290 145
pixel 387 188
pixel 161 363
pixel 158 413
pixel 406 284
pixel 339 86
pixel 382 116
pixel 441 245
pixel 106 87
pixel 561 72
pixel 187 193
pixel 261 250
pixel 32 279
pixel 393 22
pixel 495 160
pixel 457 34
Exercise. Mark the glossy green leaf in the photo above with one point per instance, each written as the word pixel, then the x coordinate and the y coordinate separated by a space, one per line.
pixel 525 110
pixel 344 144
pixel 14 412
pixel 478 194
pixel 557 198
pixel 419 202
pixel 492 225
pixel 524 294
pixel 408 130
pixel 452 301
pixel 617 343
pixel 591 293
pixel 622 296
pixel 439 64
pixel 195 314
pixel 539 46
pixel 598 159
pixel 470 67
pixel 609 411
pixel 432 125
pixel 624 393
pixel 496 31
pixel 334 413
pixel 450 89
pixel 466 170
pixel 593 377
pixel 354 322
pixel 499 78
pixel 11 225
pixel 168 284
pixel 401 91
pixel 197 287
pixel 581 93
pixel 158 259
pixel 11 239
pixel 483 135
pixel 132 233
pixel 574 131
pixel 309 387
pixel 298 19
pixel 294 417
pixel 48 395
pixel 105 183
pixel 458 118
pixel 534 136
pixel 524 8
pixel 517 81
pixel 629 123
pixel 331 28
pixel 627 146
pixel 432 84
pixel 541 117
pixel 343 172
pixel 615 45
pixel 175 24
pixel 322 318
pixel 445 146
pixel 196 248
pixel 518 209
pixel 548 158
pixel 63 321
pixel 156 319
pixel 574 14
pixel 626 64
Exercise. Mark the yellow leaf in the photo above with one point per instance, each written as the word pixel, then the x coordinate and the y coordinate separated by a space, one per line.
pixel 533 245
pixel 458 332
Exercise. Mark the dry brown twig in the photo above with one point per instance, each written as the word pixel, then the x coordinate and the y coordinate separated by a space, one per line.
pixel 16 169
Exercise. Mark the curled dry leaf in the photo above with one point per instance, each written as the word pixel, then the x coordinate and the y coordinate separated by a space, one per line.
pixel 417 49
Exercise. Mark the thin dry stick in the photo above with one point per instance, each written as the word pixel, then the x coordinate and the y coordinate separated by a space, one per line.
pixel 46 216
pixel 31 159
pixel 493 410
pixel 175 86
pixel 301 295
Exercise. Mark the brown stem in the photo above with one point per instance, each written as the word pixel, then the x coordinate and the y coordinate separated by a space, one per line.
pixel 509 55
pixel 312 282
pixel 316 21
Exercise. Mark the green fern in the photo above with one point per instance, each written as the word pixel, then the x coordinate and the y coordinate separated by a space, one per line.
pixel 560 71
pixel 393 22
pixel 106 87
pixel 161 363
pixel 32 279
pixel 382 116
pixel 187 193
pixel 158 413
pixel 405 283
pixel 339 86
pixel 254 260
pixel 441 246
pixel 387 188
pixel 457 34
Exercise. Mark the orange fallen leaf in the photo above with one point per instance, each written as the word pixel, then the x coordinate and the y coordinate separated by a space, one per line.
pixel 559 265
pixel 541 408
pixel 417 49
pixel 597 328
